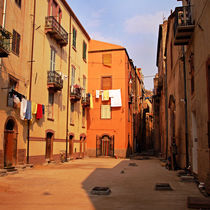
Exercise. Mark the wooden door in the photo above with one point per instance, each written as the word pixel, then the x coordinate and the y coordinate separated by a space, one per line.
pixel 49 144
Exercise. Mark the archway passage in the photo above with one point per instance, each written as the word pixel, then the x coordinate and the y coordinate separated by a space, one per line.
pixel 10 143
pixel 49 145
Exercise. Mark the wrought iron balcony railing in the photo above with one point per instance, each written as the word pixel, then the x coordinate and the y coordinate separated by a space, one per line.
pixel 75 94
pixel 5 38
pixel 54 80
pixel 53 27
pixel 183 25
pixel 86 100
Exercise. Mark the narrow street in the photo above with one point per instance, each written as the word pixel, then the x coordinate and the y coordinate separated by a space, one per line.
pixel 68 186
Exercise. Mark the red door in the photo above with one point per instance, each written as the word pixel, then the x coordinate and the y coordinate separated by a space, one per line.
pixel 10 155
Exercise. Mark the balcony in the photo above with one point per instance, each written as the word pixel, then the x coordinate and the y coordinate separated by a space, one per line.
pixel 75 94
pixel 54 81
pixel 86 100
pixel 5 37
pixel 53 27
pixel 183 25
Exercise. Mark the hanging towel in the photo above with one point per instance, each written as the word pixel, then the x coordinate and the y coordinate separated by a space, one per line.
pixel 28 111
pixel 43 109
pixel 23 106
pixel 105 95
pixel 16 99
pixel 97 93
pixel 115 96
pixel 91 101
pixel 39 111
pixel 33 108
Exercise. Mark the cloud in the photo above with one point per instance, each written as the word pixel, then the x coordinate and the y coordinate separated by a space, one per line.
pixel 103 38
pixel 144 24
pixel 94 19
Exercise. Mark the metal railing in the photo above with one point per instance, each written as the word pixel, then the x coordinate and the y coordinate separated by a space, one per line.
pixel 5 38
pixel 86 99
pixel 75 93
pixel 55 78
pixel 183 17
pixel 51 22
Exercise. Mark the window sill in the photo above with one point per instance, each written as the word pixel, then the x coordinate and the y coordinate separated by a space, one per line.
pixel 72 124
pixel 50 119
pixel 84 60
pixel 74 48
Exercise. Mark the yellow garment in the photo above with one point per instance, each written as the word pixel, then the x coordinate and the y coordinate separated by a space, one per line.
pixel 91 101
pixel 105 96
pixel 33 108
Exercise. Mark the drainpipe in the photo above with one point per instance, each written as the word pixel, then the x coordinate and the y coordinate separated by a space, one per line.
pixel 4 14
pixel 186 117
pixel 166 108
pixel 30 81
pixel 68 93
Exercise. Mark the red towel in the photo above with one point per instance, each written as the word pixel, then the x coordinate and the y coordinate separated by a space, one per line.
pixel 39 113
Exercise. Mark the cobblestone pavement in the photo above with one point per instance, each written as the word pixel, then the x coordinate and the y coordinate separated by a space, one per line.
pixel 68 186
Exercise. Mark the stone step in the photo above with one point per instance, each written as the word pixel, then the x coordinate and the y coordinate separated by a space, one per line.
pixel 198 203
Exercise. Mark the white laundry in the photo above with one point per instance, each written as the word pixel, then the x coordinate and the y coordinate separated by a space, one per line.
pixel 23 106
pixel 115 96
pixel 97 93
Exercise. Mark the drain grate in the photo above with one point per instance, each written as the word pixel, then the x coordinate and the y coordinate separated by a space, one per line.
pixel 133 164
pixel 163 186
pixel 100 191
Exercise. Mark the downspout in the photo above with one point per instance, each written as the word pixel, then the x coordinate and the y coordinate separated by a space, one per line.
pixel 186 117
pixel 4 14
pixel 31 73
pixel 166 108
pixel 68 94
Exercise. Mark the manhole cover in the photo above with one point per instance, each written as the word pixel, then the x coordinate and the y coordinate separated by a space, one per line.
pixel 100 191
pixel 163 186
pixel 133 164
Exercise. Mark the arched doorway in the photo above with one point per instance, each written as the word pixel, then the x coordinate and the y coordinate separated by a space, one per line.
pixel 105 145
pixel 10 142
pixel 49 145
pixel 71 145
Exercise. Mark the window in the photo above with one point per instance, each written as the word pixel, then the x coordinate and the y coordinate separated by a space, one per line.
pixel 84 86
pixel 13 82
pixel 16 42
pixel 105 112
pixel 107 59
pixel 84 55
pixel 106 83
pixel 50 105
pixel 18 2
pixel 83 117
pixel 52 59
pixel 74 37
pixel 72 114
pixel 72 77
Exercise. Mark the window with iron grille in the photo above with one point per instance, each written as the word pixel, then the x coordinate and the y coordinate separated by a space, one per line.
pixel 18 2
pixel 50 105
pixel 74 42
pixel 72 114
pixel 106 83
pixel 52 59
pixel 105 112
pixel 16 42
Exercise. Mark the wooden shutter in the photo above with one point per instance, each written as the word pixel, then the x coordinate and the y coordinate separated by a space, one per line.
pixel 84 50
pixel 106 83
pixel 107 59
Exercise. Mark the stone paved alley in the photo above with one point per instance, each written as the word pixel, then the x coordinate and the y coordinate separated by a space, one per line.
pixel 68 186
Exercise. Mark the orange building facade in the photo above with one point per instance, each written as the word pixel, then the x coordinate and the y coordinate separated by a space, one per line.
pixel 109 120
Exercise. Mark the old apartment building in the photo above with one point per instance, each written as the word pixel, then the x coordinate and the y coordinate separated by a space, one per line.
pixel 182 87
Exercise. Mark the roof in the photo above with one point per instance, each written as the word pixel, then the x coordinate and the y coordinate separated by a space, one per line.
pixel 75 18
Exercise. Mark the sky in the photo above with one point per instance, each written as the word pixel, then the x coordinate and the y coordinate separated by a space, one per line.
pixel 132 24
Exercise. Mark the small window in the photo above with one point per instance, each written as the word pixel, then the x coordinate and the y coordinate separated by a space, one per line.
pixel 74 43
pixel 72 114
pixel 16 42
pixel 52 59
pixel 106 83
pixel 50 105
pixel 73 76
pixel 105 112
pixel 107 59
pixel 84 56
pixel 18 2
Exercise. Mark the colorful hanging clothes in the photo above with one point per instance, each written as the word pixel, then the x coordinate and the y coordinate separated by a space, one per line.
pixel 28 115
pixel 39 113
pixel 23 106
pixel 105 95
pixel 33 108
pixel 91 101
pixel 115 98
pixel 97 93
